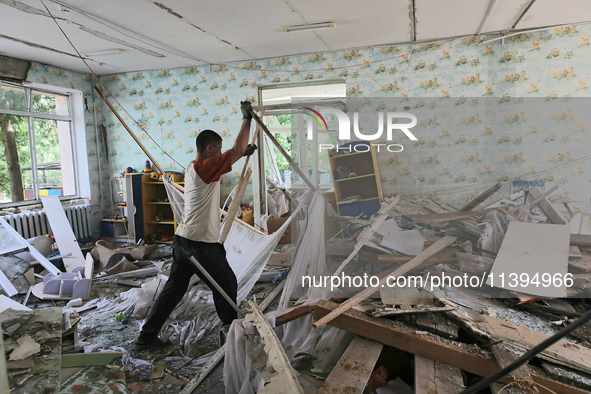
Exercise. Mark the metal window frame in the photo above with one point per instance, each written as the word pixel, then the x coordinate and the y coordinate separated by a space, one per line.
pixel 30 114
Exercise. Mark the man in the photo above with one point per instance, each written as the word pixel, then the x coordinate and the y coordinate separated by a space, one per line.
pixel 199 231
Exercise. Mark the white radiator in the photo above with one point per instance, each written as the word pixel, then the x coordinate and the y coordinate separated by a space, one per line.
pixel 32 224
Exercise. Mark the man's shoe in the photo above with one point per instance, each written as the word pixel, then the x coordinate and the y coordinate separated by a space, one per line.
pixel 142 344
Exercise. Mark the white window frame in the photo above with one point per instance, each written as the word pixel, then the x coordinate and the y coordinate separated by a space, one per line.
pixel 302 130
pixel 77 132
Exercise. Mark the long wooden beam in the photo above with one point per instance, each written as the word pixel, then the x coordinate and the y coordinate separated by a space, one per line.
pixel 407 339
pixel 477 200
pixel 242 183
pixel 405 268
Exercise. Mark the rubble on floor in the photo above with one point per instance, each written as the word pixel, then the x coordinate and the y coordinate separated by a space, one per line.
pixel 368 337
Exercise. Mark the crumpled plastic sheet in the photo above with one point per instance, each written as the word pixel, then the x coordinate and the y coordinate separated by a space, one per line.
pixel 142 367
pixel 241 373
pixel 190 332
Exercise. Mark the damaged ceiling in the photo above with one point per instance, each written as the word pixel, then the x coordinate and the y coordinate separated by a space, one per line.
pixel 167 34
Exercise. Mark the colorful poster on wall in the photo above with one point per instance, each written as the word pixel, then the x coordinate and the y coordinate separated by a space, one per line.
pixel 517 186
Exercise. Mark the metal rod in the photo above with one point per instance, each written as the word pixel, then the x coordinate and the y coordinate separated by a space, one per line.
pixel 215 284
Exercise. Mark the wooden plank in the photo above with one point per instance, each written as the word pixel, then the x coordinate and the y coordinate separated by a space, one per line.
pixel 474 264
pixel 582 265
pixel 352 372
pixel 535 250
pixel 237 199
pixel 407 339
pixel 437 324
pixel 446 217
pixel 479 199
pixel 580 239
pixel 293 314
pixel 414 263
pixel 506 212
pixel 436 377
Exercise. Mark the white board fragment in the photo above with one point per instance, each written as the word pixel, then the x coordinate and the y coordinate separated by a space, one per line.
pixel 533 253
pixel 64 236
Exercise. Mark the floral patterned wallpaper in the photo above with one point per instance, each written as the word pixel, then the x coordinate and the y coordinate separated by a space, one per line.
pixel 513 109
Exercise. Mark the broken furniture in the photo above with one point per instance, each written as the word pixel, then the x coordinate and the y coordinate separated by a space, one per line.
pixel 356 180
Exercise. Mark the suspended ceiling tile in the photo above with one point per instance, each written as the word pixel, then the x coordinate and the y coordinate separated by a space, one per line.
pixel 358 23
pixel 144 24
pixel 255 28
pixel 551 12
pixel 447 18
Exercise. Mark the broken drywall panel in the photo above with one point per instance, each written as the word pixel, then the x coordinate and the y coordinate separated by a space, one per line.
pixel 7 303
pixel 553 215
pixel 409 242
pixel 26 347
pixel 7 228
pixel 284 379
pixel 531 257
pixel 64 236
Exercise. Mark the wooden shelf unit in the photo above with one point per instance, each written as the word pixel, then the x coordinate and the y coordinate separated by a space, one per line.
pixel 129 191
pixel 156 190
pixel 366 182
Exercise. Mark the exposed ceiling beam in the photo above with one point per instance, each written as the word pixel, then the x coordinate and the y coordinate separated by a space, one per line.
pixel 492 5
pixel 523 13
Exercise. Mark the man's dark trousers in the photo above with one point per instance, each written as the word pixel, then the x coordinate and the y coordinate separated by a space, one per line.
pixel 212 256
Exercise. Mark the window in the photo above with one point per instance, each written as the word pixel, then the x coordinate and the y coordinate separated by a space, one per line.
pixel 291 132
pixel 37 145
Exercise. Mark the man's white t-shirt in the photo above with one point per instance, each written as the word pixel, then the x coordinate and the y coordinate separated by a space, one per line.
pixel 201 219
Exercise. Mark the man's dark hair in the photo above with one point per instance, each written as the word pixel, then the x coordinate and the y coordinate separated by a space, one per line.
pixel 205 138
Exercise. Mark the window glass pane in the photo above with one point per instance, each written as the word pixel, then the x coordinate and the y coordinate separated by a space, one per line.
pixel 13 98
pixel 8 242
pixel 51 103
pixel 324 173
pixel 55 164
pixel 15 160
